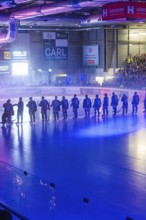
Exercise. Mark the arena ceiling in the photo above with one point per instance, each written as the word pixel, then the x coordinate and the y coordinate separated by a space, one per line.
pixel 68 15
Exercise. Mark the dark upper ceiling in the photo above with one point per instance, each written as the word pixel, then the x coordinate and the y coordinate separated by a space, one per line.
pixel 55 14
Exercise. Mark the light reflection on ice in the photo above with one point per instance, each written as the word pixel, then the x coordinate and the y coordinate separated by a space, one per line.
pixel 115 126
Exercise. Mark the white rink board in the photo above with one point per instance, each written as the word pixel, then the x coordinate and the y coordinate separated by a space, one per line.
pixel 50 92
pixel 15 92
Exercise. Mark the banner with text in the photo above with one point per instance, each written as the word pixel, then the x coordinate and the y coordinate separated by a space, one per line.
pixel 91 55
pixel 4 67
pixel 124 10
pixel 55 45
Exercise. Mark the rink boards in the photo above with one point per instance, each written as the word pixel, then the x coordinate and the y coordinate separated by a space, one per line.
pixel 15 92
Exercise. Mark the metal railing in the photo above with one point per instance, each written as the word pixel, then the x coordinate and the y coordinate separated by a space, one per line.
pixel 12 211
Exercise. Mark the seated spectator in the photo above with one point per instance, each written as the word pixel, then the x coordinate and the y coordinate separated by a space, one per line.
pixel 132 76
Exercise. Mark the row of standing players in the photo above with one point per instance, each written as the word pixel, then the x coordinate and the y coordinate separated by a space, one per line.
pixel 87 104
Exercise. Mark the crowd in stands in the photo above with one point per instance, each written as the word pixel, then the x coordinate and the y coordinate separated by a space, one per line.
pixel 132 76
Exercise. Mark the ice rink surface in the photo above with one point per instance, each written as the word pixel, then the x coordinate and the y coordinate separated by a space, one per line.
pixel 98 166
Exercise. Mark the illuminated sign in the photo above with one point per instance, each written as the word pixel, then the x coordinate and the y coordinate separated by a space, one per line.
pixel 19 68
pixel 7 55
pixel 19 55
pixel 4 68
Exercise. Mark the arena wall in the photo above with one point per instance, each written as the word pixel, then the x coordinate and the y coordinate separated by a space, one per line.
pixel 15 92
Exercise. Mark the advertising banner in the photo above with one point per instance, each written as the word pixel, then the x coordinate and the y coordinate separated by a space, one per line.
pixel 5 54
pixel 19 55
pixel 136 10
pixel 124 10
pixel 13 55
pixel 92 91
pixel 4 68
pixel 91 55
pixel 56 53
pixel 114 11
pixel 55 45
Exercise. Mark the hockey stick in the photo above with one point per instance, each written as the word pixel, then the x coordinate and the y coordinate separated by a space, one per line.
pixel 119 110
